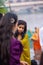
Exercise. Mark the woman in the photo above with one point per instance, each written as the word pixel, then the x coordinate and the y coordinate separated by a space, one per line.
pixel 36 44
pixel 23 37
pixel 10 47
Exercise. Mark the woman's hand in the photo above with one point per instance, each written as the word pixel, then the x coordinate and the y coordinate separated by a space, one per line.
pixel 23 63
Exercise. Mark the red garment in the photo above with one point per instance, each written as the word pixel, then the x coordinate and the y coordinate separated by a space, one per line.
pixel 36 42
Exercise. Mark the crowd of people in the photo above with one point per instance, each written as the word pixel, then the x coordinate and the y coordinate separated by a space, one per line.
pixel 14 42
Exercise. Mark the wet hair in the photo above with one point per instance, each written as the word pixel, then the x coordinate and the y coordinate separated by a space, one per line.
pixel 41 60
pixel 1 15
pixel 6 24
pixel 21 22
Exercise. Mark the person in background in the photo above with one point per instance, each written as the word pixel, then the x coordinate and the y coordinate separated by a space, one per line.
pixel 10 47
pixel 36 44
pixel 23 38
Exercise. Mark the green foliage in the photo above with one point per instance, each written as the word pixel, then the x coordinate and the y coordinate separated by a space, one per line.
pixel 3 9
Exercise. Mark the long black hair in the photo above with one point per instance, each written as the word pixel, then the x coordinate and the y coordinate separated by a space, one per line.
pixel 6 24
pixel 21 22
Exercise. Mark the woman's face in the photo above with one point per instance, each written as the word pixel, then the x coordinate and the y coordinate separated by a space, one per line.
pixel 20 28
pixel 14 28
pixel 36 30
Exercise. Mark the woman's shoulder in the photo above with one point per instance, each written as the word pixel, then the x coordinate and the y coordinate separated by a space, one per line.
pixel 26 36
pixel 25 39
pixel 15 44
pixel 14 41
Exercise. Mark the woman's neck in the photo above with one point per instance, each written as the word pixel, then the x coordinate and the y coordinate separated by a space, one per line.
pixel 19 37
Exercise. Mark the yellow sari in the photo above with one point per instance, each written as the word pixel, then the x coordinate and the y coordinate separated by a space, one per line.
pixel 25 56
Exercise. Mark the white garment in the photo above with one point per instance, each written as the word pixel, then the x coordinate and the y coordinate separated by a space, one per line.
pixel 38 62
pixel 41 37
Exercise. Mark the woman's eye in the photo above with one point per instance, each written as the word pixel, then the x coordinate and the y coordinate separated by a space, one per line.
pixel 19 27
pixel 22 28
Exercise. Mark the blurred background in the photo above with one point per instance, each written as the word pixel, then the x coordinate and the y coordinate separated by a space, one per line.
pixel 29 10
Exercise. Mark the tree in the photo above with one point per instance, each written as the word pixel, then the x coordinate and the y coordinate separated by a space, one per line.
pixel 3 9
